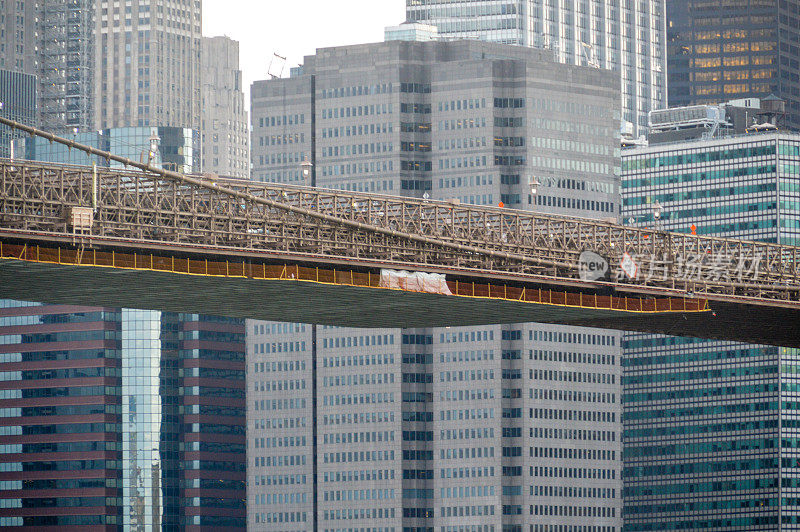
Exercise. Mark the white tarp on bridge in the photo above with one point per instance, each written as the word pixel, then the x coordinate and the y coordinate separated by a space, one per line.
pixel 433 283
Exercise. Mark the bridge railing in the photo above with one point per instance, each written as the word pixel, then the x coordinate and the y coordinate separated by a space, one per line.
pixel 170 208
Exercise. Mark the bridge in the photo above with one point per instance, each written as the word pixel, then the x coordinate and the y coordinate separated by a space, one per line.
pixel 145 237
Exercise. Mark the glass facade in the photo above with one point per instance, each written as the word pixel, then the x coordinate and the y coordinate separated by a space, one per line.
pixel 626 37
pixel 743 187
pixel 18 97
pixel 174 148
pixel 709 428
pixel 120 419
pixel 720 50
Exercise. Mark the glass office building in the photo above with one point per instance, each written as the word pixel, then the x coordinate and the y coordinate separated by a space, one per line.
pixel 172 148
pixel 120 419
pixel 721 50
pixel 710 428
pixel 628 38
pixel 18 103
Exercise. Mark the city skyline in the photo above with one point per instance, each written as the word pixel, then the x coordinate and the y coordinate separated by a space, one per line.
pixel 170 420
pixel 273 27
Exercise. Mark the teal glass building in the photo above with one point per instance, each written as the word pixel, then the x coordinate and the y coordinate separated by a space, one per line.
pixel 172 148
pixel 710 428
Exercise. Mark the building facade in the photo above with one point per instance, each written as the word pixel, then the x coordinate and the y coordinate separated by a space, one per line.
pixel 18 37
pixel 66 64
pixel 476 122
pixel 224 133
pixel 497 428
pixel 120 419
pixel 628 38
pixel 171 148
pixel 104 65
pixel 18 97
pixel 720 51
pixel 710 427
pixel 148 64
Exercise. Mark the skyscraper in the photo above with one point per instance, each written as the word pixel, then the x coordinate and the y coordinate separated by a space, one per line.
pixel 720 50
pixel 473 428
pixel 120 419
pixel 103 64
pixel 148 64
pixel 710 427
pixel 66 64
pixel 224 133
pixel 18 37
pixel 628 38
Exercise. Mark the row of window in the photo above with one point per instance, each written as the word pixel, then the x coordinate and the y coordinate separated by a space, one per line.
pixel 577 396
pixel 356 110
pixel 357 456
pixel 363 475
pixel 280 480
pixel 359 399
pixel 359 380
pixel 279 386
pixel 358 437
pixel 572 376
pixel 698 156
pixel 573 415
pixel 358 495
pixel 573 434
pixel 358 418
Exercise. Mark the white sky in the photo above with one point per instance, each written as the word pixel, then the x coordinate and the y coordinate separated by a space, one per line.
pixel 295 28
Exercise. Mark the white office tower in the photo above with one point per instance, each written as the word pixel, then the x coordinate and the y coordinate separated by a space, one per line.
pixel 624 36
pixel 223 130
pixel 499 428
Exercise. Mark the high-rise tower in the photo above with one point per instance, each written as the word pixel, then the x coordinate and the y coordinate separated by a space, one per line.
pixel 120 419
pixel 494 428
pixel 224 133
pixel 627 37
pixel 710 427
pixel 725 50
pixel 148 63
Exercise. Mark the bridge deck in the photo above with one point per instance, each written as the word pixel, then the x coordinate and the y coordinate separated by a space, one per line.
pixel 351 298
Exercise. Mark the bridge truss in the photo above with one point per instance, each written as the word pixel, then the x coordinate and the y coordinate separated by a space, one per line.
pixel 150 207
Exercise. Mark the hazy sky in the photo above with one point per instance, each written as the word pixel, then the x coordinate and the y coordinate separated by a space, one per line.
pixel 295 28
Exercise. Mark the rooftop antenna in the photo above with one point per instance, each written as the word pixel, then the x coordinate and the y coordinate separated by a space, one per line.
pixel 276 66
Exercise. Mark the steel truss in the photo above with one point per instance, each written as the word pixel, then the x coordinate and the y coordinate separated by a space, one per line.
pixel 161 207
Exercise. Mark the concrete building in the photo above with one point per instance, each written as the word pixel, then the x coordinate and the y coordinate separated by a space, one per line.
pixel 626 38
pixel 710 428
pixel 148 64
pixel 18 37
pixel 120 419
pixel 497 428
pixel 466 120
pixel 224 133
pixel 721 51
pixel 18 98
